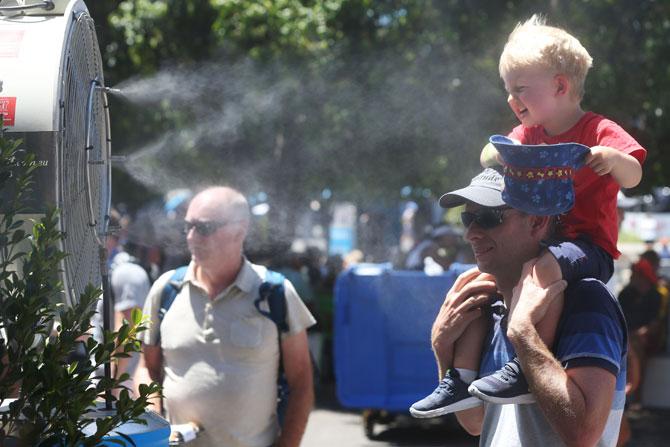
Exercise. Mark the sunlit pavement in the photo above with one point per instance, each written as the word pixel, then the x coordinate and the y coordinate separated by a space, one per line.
pixel 332 426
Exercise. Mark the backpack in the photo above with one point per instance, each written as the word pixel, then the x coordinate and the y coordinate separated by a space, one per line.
pixel 270 290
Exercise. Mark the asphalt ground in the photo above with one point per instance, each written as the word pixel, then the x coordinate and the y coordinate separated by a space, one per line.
pixel 333 425
pixel 650 427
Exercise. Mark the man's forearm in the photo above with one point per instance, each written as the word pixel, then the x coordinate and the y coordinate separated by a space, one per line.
pixel 546 376
pixel 300 403
pixel 153 360
pixel 471 420
pixel 560 399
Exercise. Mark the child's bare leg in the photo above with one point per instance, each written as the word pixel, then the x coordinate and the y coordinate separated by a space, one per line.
pixel 468 348
pixel 546 272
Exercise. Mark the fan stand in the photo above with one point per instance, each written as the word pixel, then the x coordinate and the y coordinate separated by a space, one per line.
pixel 107 315
pixel 96 87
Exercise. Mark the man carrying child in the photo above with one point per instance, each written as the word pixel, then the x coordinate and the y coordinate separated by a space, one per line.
pixel 578 387
pixel 578 396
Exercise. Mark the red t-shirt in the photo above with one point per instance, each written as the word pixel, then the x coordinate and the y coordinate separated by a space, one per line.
pixel 595 210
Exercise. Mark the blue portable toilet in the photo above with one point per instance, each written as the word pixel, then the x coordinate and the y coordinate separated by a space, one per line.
pixel 383 319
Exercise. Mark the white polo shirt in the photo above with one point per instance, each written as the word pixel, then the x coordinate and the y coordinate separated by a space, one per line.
pixel 221 358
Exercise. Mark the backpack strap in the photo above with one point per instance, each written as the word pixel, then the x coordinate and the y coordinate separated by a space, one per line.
pixel 168 295
pixel 272 291
pixel 171 290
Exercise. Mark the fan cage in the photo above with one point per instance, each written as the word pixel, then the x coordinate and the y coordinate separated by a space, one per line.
pixel 84 166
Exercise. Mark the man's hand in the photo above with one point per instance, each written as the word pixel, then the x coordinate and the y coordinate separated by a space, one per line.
pixel 461 306
pixel 530 301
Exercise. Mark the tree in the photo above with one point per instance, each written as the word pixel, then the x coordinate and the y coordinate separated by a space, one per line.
pixel 361 97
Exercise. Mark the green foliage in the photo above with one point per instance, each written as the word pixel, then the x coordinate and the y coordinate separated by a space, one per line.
pixel 55 397
pixel 368 96
pixel 263 28
pixel 151 32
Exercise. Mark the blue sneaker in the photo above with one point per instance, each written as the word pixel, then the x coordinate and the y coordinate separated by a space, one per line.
pixel 508 385
pixel 449 396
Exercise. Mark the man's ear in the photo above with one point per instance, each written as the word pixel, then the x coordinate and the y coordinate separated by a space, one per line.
pixel 562 84
pixel 540 226
pixel 242 231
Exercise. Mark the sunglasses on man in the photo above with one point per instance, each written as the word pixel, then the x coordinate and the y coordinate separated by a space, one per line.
pixel 485 218
pixel 204 227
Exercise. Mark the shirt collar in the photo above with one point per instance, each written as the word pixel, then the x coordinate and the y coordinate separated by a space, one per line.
pixel 244 281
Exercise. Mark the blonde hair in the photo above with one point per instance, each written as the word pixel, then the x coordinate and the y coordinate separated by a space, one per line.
pixel 535 44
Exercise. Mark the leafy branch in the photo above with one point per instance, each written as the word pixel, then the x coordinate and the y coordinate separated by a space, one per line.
pixel 56 400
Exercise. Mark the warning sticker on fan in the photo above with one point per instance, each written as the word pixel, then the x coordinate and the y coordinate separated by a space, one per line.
pixel 10 42
pixel 8 110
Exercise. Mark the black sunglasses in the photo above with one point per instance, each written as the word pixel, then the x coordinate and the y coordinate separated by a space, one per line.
pixel 485 218
pixel 204 228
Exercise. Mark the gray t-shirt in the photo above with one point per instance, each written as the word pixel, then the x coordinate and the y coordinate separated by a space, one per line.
pixel 130 283
pixel 130 286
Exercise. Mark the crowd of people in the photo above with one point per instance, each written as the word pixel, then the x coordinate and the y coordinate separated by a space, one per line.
pixel 643 297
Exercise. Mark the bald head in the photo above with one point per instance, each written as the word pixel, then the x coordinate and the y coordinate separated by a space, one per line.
pixel 216 223
pixel 223 203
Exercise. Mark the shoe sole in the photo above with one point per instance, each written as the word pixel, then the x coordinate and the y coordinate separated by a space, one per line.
pixel 518 400
pixel 469 402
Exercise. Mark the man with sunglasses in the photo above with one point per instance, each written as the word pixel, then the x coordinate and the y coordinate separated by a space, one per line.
pixel 215 353
pixel 578 382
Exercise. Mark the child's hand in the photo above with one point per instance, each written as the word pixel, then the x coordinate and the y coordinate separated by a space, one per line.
pixel 602 159
pixel 490 157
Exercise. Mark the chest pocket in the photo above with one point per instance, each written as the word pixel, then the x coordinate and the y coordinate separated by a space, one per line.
pixel 250 340
pixel 247 332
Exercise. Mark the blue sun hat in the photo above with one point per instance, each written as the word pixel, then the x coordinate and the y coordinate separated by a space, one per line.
pixel 539 178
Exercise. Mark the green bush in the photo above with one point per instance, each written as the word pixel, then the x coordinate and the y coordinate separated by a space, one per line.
pixel 55 397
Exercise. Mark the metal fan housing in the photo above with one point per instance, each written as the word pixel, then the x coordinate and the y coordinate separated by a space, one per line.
pixel 53 98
